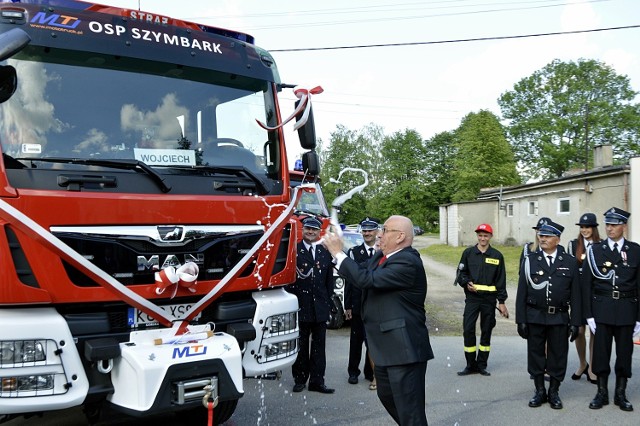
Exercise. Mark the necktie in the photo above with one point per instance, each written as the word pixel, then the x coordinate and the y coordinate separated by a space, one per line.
pixel 382 259
pixel 550 260
pixel 313 252
pixel 370 252
pixel 615 248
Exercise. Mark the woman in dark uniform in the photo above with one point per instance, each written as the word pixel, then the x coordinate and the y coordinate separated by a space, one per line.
pixel 587 236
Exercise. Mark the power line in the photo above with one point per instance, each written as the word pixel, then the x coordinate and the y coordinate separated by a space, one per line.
pixel 465 40
pixel 395 8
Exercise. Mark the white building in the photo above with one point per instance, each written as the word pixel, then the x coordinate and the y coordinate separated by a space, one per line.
pixel 513 211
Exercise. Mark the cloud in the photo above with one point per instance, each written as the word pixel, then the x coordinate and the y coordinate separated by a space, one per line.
pixel 156 126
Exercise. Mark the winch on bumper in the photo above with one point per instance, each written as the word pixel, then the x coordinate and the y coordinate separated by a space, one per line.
pixel 150 377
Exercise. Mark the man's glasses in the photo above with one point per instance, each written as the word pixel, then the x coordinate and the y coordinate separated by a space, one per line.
pixel 385 230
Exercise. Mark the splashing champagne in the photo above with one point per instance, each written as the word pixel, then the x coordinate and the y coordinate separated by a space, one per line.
pixel 341 199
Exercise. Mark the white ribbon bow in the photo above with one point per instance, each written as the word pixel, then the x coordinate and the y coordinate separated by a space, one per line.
pixel 185 276
pixel 305 103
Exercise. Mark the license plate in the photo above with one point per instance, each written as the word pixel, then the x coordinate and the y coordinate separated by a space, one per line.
pixel 137 317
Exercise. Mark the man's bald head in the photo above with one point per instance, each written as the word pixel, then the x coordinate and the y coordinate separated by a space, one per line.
pixel 396 234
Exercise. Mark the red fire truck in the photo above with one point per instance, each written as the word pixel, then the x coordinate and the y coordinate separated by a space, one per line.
pixel 145 212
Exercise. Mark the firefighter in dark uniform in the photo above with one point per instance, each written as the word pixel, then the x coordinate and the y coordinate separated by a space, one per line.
pixel 314 289
pixel 353 303
pixel 548 289
pixel 534 246
pixel 611 285
pixel 482 274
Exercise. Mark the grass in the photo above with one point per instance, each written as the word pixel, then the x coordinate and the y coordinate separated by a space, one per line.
pixel 451 256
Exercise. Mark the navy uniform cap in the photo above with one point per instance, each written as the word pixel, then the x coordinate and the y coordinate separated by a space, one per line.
pixel 551 229
pixel 312 222
pixel 588 219
pixel 368 224
pixel 541 221
pixel 616 216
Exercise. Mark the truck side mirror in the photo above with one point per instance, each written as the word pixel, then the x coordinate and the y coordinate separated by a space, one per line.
pixel 311 163
pixel 12 42
pixel 8 82
pixel 307 133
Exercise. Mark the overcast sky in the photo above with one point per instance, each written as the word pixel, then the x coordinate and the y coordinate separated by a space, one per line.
pixel 426 87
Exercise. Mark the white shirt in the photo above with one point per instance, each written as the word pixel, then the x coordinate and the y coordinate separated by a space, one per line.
pixel 620 243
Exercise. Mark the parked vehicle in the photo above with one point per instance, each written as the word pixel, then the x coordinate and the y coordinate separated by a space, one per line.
pixel 417 230
pixel 336 319
pixel 146 227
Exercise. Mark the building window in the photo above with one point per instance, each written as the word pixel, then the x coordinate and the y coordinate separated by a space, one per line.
pixel 564 206
pixel 533 208
pixel 510 210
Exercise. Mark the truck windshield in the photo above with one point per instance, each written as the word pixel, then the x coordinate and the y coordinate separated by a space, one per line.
pixel 163 115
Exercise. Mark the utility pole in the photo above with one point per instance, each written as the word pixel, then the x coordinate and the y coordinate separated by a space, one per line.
pixel 586 137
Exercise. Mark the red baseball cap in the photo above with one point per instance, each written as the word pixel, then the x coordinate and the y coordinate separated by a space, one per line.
pixel 484 227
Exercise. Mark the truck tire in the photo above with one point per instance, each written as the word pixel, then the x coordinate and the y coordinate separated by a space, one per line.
pixel 336 319
pixel 221 413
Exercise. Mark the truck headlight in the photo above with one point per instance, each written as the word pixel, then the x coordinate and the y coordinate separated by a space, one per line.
pixel 282 323
pixel 281 349
pixel 41 382
pixel 22 351
pixel 339 283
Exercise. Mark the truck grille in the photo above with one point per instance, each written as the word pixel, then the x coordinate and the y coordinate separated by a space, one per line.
pixel 133 254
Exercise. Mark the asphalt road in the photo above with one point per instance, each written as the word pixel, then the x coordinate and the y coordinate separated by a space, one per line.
pixel 500 399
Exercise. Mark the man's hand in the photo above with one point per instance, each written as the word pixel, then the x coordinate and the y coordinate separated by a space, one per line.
pixel 503 310
pixel 333 243
pixel 523 330
pixel 573 333
pixel 592 324
pixel 347 314
pixel 471 287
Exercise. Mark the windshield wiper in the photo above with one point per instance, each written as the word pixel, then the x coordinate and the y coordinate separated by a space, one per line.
pixel 259 184
pixel 116 164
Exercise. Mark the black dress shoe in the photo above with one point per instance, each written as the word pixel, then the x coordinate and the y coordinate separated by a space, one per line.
pixel 353 380
pixel 584 372
pixel 321 389
pixel 298 387
pixel 483 372
pixel 467 370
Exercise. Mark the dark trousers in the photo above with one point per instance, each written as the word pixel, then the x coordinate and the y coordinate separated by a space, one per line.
pixel 547 350
pixel 401 389
pixel 355 349
pixel 311 361
pixel 485 308
pixel 605 334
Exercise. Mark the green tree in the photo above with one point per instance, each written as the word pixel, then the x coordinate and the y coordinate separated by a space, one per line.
pixel 556 115
pixel 403 189
pixel 483 158
pixel 440 154
pixel 358 150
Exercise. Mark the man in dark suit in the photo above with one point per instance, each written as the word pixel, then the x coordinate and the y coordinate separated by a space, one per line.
pixel 548 288
pixel 394 286
pixel 314 288
pixel 353 303
pixel 611 286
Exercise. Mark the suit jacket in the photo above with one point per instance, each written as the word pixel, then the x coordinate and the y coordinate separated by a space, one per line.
pixel 352 294
pixel 393 312
pixel 599 264
pixel 314 283
pixel 563 291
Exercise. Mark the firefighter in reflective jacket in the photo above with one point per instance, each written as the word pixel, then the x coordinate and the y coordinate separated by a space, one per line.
pixel 481 273
pixel 548 290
